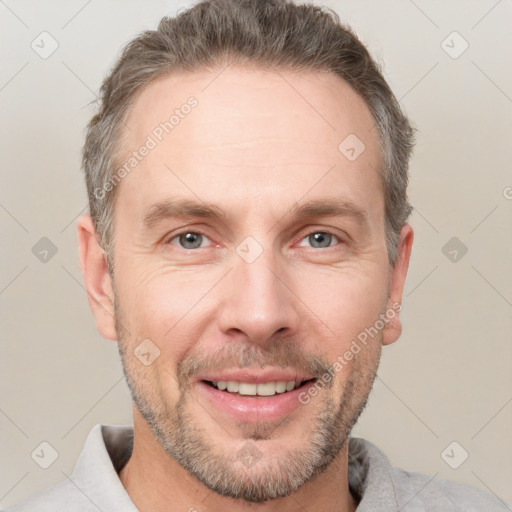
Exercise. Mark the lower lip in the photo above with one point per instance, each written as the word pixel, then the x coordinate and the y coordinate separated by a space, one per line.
pixel 254 408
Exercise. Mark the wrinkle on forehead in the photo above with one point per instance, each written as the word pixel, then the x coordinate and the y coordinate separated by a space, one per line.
pixel 254 134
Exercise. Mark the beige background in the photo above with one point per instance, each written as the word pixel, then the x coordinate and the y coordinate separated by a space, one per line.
pixel 449 377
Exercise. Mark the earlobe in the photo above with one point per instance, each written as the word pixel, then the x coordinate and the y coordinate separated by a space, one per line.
pixel 393 329
pixel 96 277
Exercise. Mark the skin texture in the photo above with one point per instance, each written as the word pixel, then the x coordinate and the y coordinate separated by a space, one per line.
pixel 258 143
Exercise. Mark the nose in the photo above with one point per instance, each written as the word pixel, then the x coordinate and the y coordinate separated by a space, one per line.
pixel 258 301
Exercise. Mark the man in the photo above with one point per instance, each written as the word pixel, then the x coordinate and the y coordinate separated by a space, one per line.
pixel 247 176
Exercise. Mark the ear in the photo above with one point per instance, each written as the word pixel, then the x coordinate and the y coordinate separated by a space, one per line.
pixel 398 273
pixel 98 284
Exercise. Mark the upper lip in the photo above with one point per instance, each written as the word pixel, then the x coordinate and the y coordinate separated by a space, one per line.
pixel 257 376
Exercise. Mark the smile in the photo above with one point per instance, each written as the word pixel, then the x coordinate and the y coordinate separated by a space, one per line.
pixel 253 402
pixel 261 389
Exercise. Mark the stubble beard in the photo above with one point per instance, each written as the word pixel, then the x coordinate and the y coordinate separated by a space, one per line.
pixel 188 442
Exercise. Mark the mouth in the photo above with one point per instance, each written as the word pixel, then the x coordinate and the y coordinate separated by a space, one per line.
pixel 254 399
pixel 252 389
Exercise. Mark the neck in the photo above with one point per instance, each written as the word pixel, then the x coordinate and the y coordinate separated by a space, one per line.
pixel 156 482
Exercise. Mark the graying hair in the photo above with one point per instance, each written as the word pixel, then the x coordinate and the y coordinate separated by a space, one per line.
pixel 266 33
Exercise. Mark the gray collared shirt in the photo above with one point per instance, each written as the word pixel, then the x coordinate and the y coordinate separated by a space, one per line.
pixel 94 484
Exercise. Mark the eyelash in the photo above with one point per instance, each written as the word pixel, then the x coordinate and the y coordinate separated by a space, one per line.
pixel 323 231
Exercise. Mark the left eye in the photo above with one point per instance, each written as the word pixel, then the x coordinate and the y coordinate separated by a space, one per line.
pixel 190 240
pixel 320 239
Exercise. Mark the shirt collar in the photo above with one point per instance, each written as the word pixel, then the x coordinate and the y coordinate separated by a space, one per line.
pixel 95 474
pixel 370 477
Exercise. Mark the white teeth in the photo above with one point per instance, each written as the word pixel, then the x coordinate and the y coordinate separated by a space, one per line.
pixel 266 389
pixel 247 389
pixel 233 386
pixel 280 386
pixel 262 389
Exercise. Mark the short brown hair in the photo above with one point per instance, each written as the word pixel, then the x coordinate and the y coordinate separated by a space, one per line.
pixel 268 33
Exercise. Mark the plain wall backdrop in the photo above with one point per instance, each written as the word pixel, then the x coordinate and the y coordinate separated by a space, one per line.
pixel 448 379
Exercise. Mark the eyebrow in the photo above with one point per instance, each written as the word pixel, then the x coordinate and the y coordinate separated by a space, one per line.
pixel 180 208
pixel 188 208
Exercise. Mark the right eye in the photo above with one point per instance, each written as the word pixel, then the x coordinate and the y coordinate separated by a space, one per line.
pixel 189 240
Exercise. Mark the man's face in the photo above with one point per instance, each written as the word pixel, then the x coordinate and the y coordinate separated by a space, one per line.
pixel 273 289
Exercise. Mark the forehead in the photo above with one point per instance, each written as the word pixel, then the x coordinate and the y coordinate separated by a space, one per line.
pixel 267 131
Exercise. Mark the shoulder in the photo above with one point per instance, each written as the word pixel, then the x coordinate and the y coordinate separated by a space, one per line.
pixel 94 484
pixel 376 481
pixel 62 496
pixel 419 492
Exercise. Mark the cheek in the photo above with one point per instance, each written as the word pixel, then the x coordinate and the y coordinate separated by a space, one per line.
pixel 155 340
pixel 164 306
pixel 157 299
pixel 346 301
